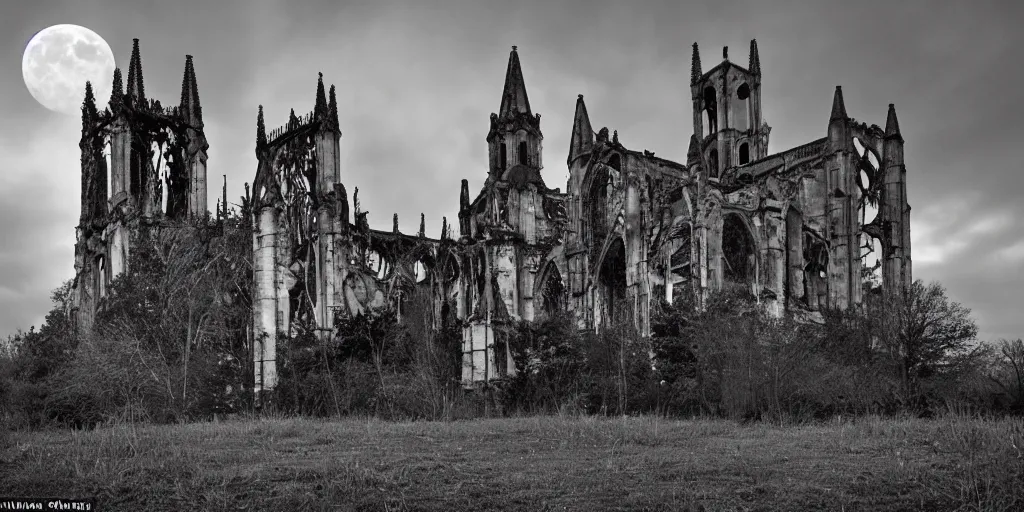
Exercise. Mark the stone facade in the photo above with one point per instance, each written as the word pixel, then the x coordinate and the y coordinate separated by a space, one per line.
pixel 143 166
pixel 815 226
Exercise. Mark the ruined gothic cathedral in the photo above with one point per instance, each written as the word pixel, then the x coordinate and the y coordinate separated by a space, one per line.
pixel 818 225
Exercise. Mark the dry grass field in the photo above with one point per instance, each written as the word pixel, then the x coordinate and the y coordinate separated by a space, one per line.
pixel 528 463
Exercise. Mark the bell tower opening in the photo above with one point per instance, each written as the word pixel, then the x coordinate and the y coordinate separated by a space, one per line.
pixel 741 109
pixel 710 110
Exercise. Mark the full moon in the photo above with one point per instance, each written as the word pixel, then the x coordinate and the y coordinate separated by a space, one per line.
pixel 59 60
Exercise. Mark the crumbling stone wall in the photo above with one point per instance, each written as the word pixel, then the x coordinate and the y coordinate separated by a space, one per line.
pixel 143 165
pixel 795 228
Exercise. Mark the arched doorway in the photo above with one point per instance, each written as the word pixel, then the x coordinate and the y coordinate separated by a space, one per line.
pixel 739 254
pixel 612 279
pixel 552 292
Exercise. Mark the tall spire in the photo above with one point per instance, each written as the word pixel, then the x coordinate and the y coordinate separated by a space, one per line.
pixel 261 131
pixel 117 92
pixel 513 97
pixel 892 125
pixel 320 110
pixel 755 59
pixel 582 140
pixel 189 106
pixel 838 107
pixel 332 109
pixel 695 71
pixel 136 92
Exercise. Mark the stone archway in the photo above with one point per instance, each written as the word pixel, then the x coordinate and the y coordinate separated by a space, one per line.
pixel 739 253
pixel 615 305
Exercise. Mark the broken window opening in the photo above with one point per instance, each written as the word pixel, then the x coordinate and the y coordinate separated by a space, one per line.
pixel 377 264
pixel 553 292
pixel 816 260
pixel 678 277
pixel 106 157
pixel 613 284
pixel 711 109
pixel 615 162
pixel 741 110
pixel 503 158
pixel 739 256
pixel 101 277
pixel 713 163
pixel 599 210
pixel 523 153
pixel 744 153
pixel 421 271
pixel 794 254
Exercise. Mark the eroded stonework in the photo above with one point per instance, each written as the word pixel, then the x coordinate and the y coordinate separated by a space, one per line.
pixel 815 226
pixel 143 166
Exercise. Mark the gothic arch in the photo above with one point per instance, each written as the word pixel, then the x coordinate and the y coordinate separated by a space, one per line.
pixel 739 251
pixel 615 307
pixel 551 290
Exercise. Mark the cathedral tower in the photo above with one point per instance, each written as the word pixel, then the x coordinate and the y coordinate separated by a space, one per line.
pixel 515 136
pixel 727 112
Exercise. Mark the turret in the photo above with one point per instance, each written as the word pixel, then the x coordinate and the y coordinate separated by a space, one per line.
pixel 328 139
pixel 515 136
pixel 838 122
pixel 189 107
pixel 895 210
pixel 191 112
pixel 727 112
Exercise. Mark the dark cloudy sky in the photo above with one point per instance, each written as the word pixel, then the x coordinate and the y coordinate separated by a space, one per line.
pixel 417 80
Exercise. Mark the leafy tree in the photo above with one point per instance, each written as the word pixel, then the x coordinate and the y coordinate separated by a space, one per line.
pixel 927 334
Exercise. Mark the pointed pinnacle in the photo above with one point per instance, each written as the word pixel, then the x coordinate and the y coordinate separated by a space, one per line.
pixel 261 130
pixel 293 121
pixel 444 228
pixel 582 139
pixel 755 59
pixel 838 107
pixel 693 153
pixel 695 70
pixel 189 104
pixel 117 91
pixel 464 195
pixel 136 87
pixel 892 125
pixel 423 225
pixel 320 110
pixel 514 99
pixel 396 223
pixel 332 109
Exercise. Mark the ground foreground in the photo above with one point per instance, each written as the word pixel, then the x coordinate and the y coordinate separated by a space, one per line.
pixel 536 463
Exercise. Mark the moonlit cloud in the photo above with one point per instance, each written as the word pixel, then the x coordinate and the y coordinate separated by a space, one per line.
pixel 417 81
